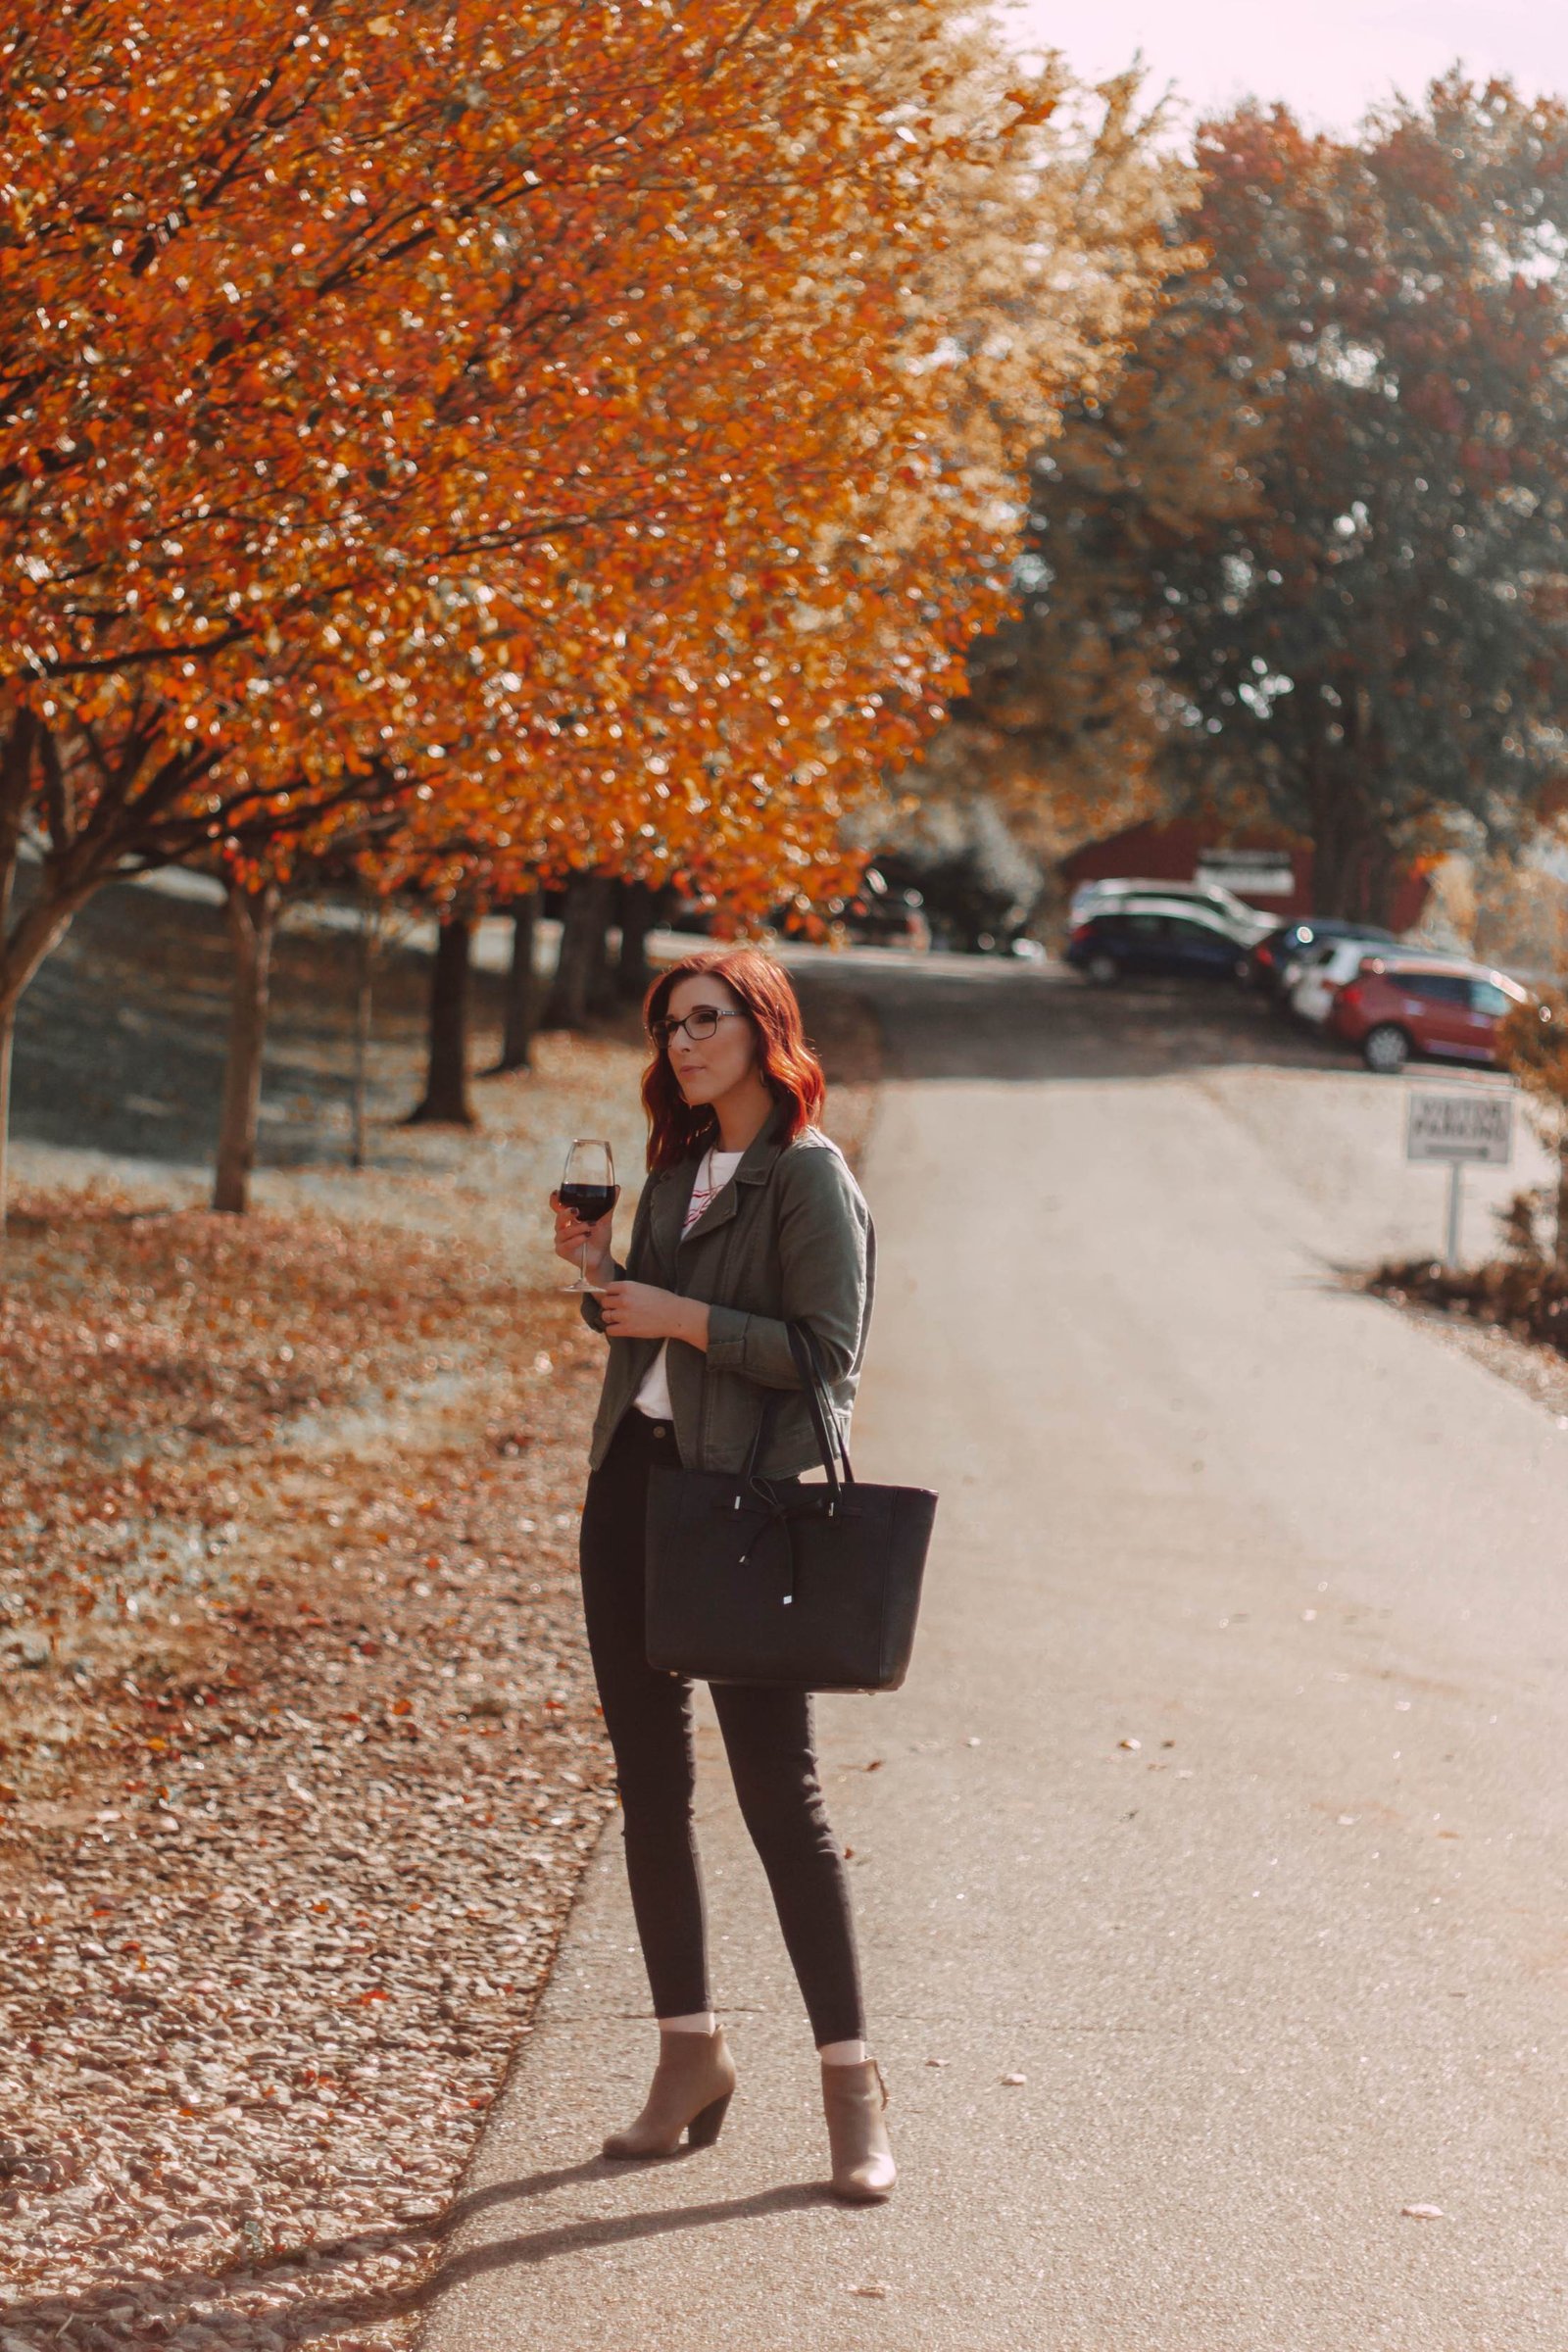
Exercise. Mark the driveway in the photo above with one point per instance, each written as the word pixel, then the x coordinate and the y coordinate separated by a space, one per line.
pixel 1224 1805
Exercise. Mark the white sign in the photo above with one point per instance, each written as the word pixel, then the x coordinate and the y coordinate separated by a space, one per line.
pixel 1250 873
pixel 1475 1127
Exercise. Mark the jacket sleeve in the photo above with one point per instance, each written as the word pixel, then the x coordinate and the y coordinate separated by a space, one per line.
pixel 591 1310
pixel 824 1238
pixel 593 1313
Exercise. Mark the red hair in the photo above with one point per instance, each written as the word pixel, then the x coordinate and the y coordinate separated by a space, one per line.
pixel 676 1130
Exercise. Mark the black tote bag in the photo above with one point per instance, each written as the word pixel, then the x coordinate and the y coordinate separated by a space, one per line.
pixel 757 1580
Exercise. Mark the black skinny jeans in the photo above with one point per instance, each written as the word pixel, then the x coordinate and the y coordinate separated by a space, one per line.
pixel 767 1736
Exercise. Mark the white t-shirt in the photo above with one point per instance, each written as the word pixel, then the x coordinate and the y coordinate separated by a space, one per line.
pixel 714 1173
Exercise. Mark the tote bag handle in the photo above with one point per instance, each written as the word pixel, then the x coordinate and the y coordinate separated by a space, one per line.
pixel 830 1446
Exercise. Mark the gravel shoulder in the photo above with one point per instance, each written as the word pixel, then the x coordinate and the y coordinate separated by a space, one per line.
pixel 1538 1370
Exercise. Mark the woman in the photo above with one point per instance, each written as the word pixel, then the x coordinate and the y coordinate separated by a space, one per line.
pixel 749 1219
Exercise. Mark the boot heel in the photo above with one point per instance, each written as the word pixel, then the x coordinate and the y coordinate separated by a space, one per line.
pixel 692 2068
pixel 705 2127
pixel 854 2098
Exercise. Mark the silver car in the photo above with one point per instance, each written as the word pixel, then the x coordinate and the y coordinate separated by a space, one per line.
pixel 1245 924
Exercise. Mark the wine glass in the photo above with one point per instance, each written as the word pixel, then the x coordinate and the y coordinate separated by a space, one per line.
pixel 588 1188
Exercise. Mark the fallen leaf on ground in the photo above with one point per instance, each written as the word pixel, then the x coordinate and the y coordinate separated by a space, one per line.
pixel 253 2010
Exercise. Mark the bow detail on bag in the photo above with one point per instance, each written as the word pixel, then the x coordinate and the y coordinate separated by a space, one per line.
pixel 779 1512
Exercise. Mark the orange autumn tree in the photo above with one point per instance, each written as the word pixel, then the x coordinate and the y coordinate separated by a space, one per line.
pixel 335 337
pixel 638 755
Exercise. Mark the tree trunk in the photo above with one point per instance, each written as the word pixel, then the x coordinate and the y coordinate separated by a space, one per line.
pixel 1343 851
pixel 639 910
pixel 8 1036
pixel 1381 869
pixel 25 939
pixel 15 784
pixel 604 994
pixel 522 993
pixel 35 933
pixel 1353 860
pixel 1331 878
pixel 363 996
pixel 582 936
pixel 1560 1232
pixel 446 1085
pixel 252 925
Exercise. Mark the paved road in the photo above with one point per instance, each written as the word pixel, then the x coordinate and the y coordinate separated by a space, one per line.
pixel 1225 1804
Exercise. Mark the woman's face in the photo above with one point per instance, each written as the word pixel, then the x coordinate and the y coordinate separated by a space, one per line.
pixel 707 1068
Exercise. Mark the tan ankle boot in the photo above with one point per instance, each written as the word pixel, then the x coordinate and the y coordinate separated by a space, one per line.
pixel 692 2087
pixel 852 2100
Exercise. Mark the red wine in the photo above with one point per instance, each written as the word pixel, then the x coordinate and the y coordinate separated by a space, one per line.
pixel 590 1202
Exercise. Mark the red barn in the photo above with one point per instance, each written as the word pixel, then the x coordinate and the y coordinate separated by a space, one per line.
pixel 1272 870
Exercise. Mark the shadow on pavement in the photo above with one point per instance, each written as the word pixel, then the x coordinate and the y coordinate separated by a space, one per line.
pixel 983 1017
pixel 314 2310
pixel 617 2230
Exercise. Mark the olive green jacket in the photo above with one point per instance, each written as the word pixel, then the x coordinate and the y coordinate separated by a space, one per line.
pixel 788 1238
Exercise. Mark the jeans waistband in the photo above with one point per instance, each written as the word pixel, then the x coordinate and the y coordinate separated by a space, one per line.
pixel 640 1429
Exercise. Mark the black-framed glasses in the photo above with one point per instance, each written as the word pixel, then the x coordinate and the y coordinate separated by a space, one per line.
pixel 700 1023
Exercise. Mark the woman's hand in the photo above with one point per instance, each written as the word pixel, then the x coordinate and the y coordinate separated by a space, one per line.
pixel 640 1310
pixel 571 1235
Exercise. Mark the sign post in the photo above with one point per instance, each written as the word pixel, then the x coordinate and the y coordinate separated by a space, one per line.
pixel 1460 1130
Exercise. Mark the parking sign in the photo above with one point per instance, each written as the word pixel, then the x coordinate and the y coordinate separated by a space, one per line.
pixel 1470 1129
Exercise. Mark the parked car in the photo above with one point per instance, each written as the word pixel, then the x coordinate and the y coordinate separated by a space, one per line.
pixel 1171 937
pixel 1099 897
pixel 968 907
pixel 1270 963
pixel 1238 929
pixel 1324 971
pixel 1395 1007
pixel 878 916
pixel 1342 966
pixel 1312 981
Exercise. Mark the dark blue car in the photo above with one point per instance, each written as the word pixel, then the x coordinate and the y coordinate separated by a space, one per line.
pixel 1176 940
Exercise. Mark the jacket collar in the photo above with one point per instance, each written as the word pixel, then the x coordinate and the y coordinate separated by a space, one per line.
pixel 757 1164
pixel 763 1149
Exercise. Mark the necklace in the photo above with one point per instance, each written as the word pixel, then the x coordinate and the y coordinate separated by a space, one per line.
pixel 703 1188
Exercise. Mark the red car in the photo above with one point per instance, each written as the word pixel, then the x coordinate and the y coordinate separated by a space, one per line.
pixel 1398 1006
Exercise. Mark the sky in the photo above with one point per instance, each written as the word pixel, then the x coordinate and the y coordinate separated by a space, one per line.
pixel 1328 59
